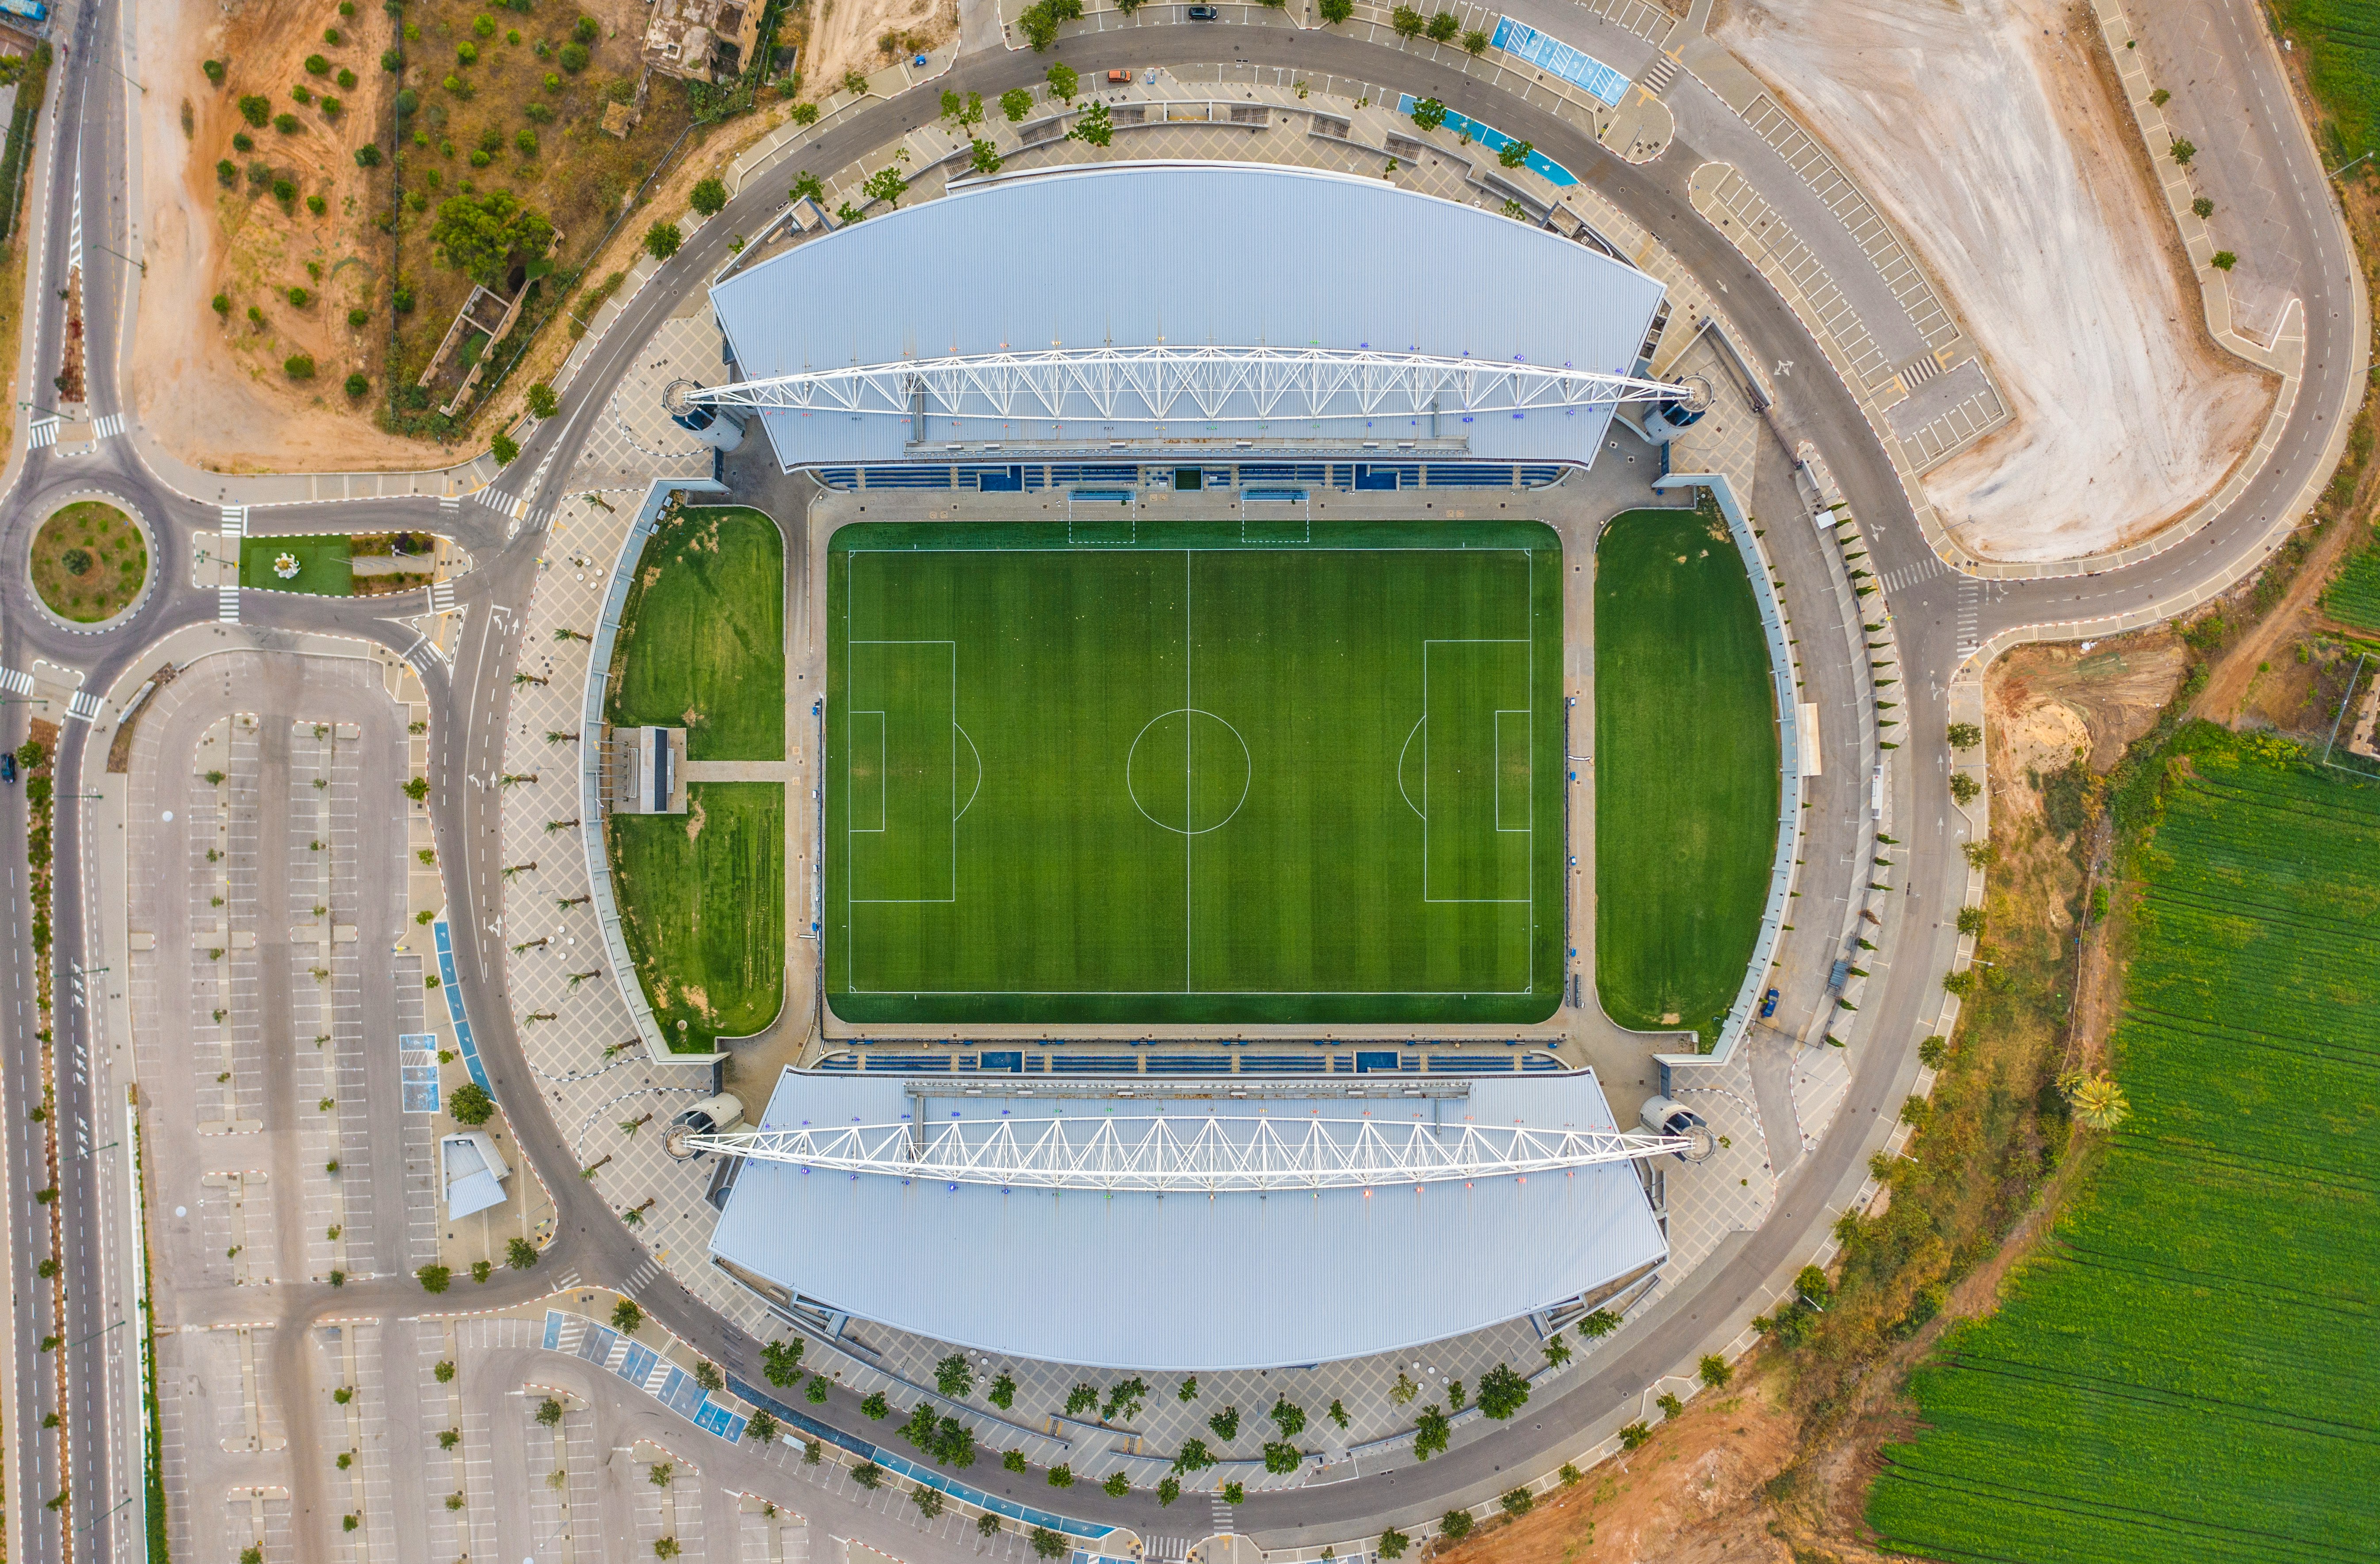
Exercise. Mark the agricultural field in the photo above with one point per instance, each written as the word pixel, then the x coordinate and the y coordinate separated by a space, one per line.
pixel 1686 769
pixel 322 564
pixel 702 636
pixel 702 903
pixel 2341 40
pixel 1179 774
pixel 2192 1369
pixel 2353 595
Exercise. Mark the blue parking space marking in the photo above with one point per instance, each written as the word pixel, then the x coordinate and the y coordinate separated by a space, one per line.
pixel 416 1054
pixel 1557 58
pixel 639 1365
pixel 1495 140
pixel 453 990
pixel 679 1391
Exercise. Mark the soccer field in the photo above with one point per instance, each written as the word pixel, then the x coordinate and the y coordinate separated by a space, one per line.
pixel 1189 779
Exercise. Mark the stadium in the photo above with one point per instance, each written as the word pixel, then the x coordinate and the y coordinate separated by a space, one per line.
pixel 1091 760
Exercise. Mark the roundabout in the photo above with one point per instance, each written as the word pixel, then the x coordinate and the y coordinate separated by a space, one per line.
pixel 90 562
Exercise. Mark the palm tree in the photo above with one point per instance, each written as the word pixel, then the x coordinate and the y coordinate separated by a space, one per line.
pixel 2098 1103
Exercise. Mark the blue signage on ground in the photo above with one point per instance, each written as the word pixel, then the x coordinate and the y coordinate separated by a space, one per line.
pixel 1557 58
pixel 1495 140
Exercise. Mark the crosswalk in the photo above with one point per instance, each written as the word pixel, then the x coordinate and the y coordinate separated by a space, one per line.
pixel 15 683
pixel 1166 1550
pixel 442 596
pixel 235 521
pixel 1658 75
pixel 85 706
pixel 641 1277
pixel 108 428
pixel 228 604
pixel 1911 575
pixel 1222 1511
pixel 497 500
pixel 42 433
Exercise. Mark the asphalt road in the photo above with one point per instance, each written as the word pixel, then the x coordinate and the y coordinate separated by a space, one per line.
pixel 83 152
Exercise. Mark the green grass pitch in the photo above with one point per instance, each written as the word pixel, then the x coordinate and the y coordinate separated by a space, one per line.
pixel 702 636
pixel 1686 766
pixel 702 904
pixel 1185 778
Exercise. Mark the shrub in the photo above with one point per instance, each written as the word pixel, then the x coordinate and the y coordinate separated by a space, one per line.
pixel 332 108
pixel 2182 152
pixel 256 109
pixel 481 236
pixel 2160 97
pixel 1518 1502
pixel 573 57
pixel 708 197
pixel 1337 11
pixel 407 100
pixel 317 65
pixel 392 61
pixel 1934 1050
pixel 1964 788
pixel 586 29
pixel 1393 1542
pixel 368 156
pixel 402 299
pixel 1455 1523
pixel 661 240
pixel 285 122
pixel 2223 261
pixel 285 189
pixel 538 114
pixel 806 114
pixel 436 1279
pixel 1633 1435
pixel 302 93
pixel 299 299
pixel 226 172
pixel 347 79
pixel 2203 206
pixel 503 448
pixel 479 158
pixel 215 71
pixel 484 25
pixel 1714 1371
pixel 222 304
pixel 466 54
pixel 525 142
pixel 298 365
pixel 241 142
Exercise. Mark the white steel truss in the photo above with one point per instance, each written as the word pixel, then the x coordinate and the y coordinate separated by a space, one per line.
pixel 1169 383
pixel 1190 1153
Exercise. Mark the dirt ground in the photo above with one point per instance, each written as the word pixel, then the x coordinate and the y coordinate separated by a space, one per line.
pixel 211 388
pixel 844 35
pixel 2047 701
pixel 2033 206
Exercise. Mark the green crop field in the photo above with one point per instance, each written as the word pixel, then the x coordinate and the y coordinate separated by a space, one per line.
pixel 1183 777
pixel 1685 769
pixel 2192 1369
pixel 702 637
pixel 323 567
pixel 702 903
pixel 2353 595
pixel 2341 40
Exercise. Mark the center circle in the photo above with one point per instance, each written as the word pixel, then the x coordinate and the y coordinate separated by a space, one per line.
pixel 1188 770
pixel 89 561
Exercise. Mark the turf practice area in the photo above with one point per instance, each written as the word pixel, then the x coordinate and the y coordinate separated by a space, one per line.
pixel 1685 769
pixel 702 638
pixel 702 903
pixel 1182 777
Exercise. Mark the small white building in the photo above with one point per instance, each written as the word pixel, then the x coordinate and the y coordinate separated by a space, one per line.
pixel 473 1172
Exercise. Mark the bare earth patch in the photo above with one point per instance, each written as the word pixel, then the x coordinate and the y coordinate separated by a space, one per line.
pixel 2031 204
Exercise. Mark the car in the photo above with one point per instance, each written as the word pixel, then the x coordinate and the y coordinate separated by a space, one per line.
pixel 7 767
pixel 1203 13
pixel 1768 1004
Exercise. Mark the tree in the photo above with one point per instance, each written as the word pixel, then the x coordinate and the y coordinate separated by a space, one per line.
pixel 1280 1459
pixel 542 402
pixel 417 789
pixel 1515 153
pixel 1117 1485
pixel 1193 1455
pixel 1430 1431
pixel 503 448
pixel 1393 1542
pixel 549 1412
pixel 222 304
pixel 1557 1351
pixel 868 1474
pixel 626 1316
pixel 1958 983
pixel 1971 921
pixel 1474 42
pixel 1011 1460
pixel 708 196
pixel 807 187
pixel 1168 1490
pixel 1517 1502
pixel 1093 125
pixel 256 109
pixel 987 1525
pixel 1289 1419
pixel 1633 1435
pixel 929 1501
pixel 983 157
pixel 1226 1423
pixel 434 1279
pixel 1235 1493
pixel 2202 207
pixel 1455 1523
pixel 963 112
pixel 1047 1544
pixel 1062 1475
pixel 1063 82
pixel 1428 114
pixel 781 1362
pixel 665 1547
pixel 2223 261
pixel 573 57
pixel 2182 152
pixel 920 1429
pixel 1443 27
pixel 2097 1102
pixel 521 1254
pixel 954 1378
pixel 662 239
pixel 1408 22
pixel 470 1104
pixel 299 366
pixel 1713 1371
pixel 1670 1406
pixel 1964 788
pixel 1964 735
pixel 873 1404
pixel 885 185
pixel 1017 103
pixel 1040 20
pixel 357 384
pixel 482 236
pixel 1502 1392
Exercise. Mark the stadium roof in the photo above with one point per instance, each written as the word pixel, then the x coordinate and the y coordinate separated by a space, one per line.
pixel 1137 1279
pixel 1143 255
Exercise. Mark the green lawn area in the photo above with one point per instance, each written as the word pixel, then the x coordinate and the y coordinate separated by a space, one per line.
pixel 321 565
pixel 1685 769
pixel 2189 1368
pixel 1192 778
pixel 702 903
pixel 702 638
